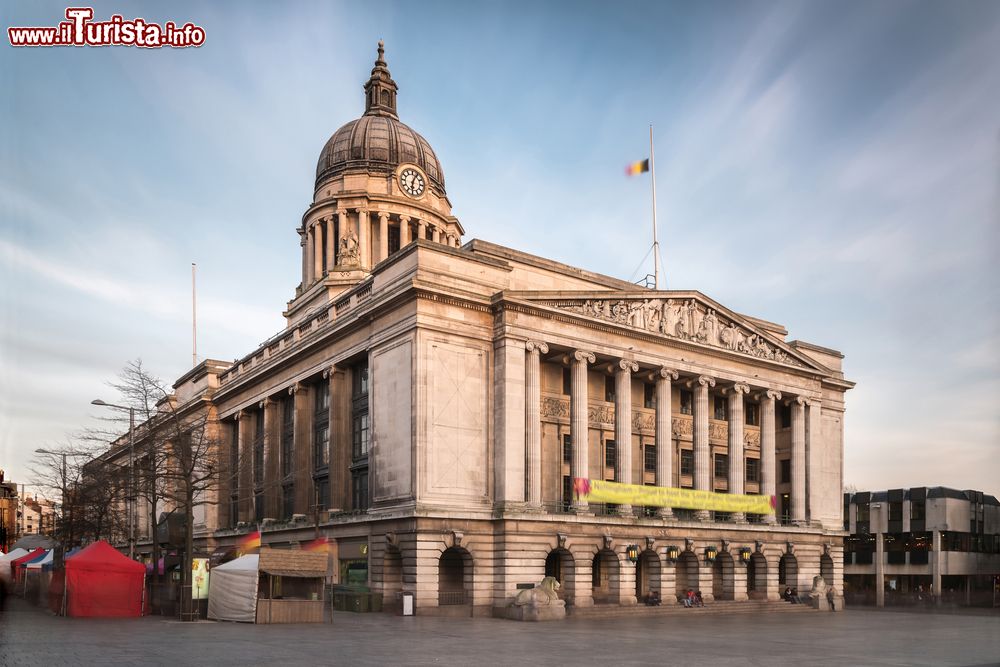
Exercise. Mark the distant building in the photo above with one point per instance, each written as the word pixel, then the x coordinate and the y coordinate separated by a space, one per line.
pixel 8 513
pixel 37 516
pixel 916 545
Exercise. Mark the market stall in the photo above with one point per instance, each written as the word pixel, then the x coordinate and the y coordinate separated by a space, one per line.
pixel 274 586
pixel 5 561
pixel 98 581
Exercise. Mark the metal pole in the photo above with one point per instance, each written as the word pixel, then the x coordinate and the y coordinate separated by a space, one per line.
pixel 656 243
pixel 131 481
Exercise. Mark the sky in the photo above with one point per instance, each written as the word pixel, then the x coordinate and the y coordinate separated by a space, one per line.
pixel 834 167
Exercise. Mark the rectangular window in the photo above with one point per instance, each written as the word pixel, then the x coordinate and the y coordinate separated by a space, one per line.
pixel 567 492
pixel 786 471
pixel 360 380
pixel 786 509
pixel 322 492
pixel 287 436
pixel 567 382
pixel 918 510
pixel 687 462
pixel 753 470
pixel 648 395
pixel 687 402
pixel 321 452
pixel 610 453
pixel 360 439
pixel 567 448
pixel 287 501
pixel 752 413
pixel 609 388
pixel 649 458
pixel 360 487
pixel 896 511
pixel 393 240
pixel 721 408
pixel 785 412
pixel 258 506
pixel 722 466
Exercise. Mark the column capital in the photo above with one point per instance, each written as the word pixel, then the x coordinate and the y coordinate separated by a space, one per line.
pixel 536 346
pixel 626 365
pixel 664 373
pixel 773 394
pixel 266 403
pixel 702 380
pixel 329 370
pixel 383 215
pixel 583 355
pixel 796 400
pixel 361 211
pixel 404 219
pixel 737 388
pixel 239 414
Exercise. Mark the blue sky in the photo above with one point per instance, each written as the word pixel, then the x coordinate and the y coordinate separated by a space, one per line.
pixel 834 167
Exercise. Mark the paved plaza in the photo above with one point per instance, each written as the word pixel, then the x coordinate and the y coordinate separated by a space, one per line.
pixel 29 636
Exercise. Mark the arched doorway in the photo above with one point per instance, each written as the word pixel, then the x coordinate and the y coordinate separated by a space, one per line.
pixel 559 564
pixel 723 577
pixel 788 572
pixel 647 574
pixel 454 577
pixel 605 577
pixel 826 569
pixel 757 577
pixel 686 573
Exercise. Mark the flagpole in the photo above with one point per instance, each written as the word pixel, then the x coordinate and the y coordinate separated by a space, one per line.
pixel 656 243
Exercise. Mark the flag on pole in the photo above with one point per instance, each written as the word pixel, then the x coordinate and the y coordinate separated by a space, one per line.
pixel 319 545
pixel 249 542
pixel 640 167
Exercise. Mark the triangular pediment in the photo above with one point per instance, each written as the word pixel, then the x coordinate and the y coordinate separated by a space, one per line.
pixel 687 316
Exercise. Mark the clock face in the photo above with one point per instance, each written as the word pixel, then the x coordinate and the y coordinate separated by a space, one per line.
pixel 412 182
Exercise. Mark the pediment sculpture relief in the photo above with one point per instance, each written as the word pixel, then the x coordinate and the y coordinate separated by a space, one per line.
pixel 689 320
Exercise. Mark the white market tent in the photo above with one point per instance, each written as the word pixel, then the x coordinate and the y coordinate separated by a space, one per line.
pixel 39 564
pixel 5 561
pixel 232 590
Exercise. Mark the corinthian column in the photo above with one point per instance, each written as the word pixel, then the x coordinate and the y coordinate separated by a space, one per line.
pixel 578 421
pixel 304 244
pixel 421 230
pixel 364 239
pixel 736 467
pixel 533 420
pixel 318 250
pixel 664 443
pixel 383 236
pixel 342 226
pixel 767 456
pixel 331 248
pixel 436 234
pixel 404 231
pixel 798 461
pixel 702 454
pixel 623 424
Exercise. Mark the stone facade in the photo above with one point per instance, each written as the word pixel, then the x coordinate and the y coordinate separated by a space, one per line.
pixel 429 402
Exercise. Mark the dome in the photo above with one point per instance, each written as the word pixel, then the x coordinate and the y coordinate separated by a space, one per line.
pixel 377 142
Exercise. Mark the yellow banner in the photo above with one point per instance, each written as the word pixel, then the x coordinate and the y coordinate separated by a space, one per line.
pixel 600 491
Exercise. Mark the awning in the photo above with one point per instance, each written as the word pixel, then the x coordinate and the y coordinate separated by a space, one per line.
pixel 304 574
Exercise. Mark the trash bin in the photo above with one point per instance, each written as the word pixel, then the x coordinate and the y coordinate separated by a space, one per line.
pixel 407 603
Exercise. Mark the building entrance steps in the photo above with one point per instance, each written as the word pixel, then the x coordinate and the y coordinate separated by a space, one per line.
pixel 718 607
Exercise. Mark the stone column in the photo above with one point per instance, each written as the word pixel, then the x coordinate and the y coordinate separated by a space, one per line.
pixel 317 250
pixel 578 421
pixel 272 486
pixel 306 254
pixel 623 424
pixel 664 439
pixel 383 236
pixel 798 461
pixel 302 442
pixel 737 470
pixel 404 231
pixel 936 566
pixel 813 466
pixel 436 234
pixel 533 421
pixel 879 567
pixel 364 239
pixel 245 473
pixel 342 226
pixel 702 451
pixel 331 248
pixel 768 463
pixel 421 230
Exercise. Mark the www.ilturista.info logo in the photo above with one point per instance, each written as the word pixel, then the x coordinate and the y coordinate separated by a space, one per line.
pixel 80 30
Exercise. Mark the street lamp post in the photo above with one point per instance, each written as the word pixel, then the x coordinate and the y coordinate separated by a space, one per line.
pixel 131 470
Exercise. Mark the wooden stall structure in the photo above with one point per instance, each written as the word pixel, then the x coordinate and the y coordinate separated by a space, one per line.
pixel 290 586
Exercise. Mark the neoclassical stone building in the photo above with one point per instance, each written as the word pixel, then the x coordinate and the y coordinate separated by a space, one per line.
pixel 430 402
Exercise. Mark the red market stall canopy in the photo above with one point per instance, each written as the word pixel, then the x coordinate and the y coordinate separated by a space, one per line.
pixel 100 581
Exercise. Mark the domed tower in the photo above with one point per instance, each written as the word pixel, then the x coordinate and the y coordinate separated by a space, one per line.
pixel 379 187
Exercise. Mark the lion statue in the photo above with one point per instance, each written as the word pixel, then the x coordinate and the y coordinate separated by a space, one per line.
pixel 819 586
pixel 541 595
